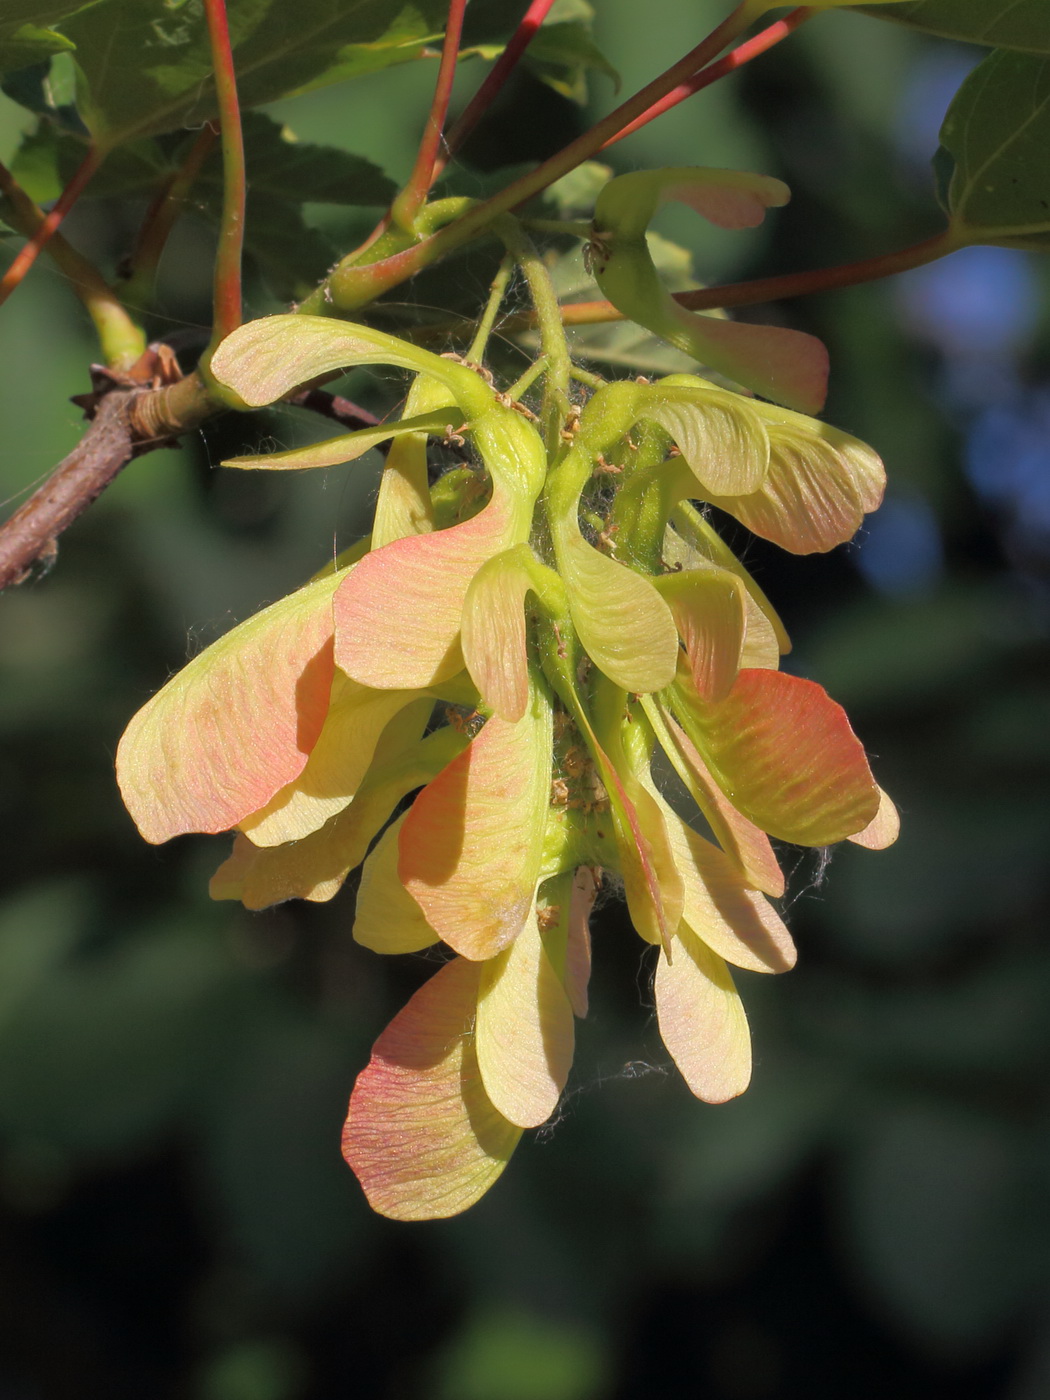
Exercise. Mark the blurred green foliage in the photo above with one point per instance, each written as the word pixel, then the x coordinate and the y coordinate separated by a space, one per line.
pixel 873 1217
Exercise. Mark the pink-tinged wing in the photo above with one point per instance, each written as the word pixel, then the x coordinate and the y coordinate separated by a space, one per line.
pixel 817 491
pixel 786 752
pixel 734 920
pixel 790 367
pixel 721 438
pixel 709 607
pixel 398 627
pixel 234 725
pixel 387 919
pixel 422 1136
pixel 651 882
pixel 693 539
pixel 494 643
pixel 472 844
pixel 742 840
pixel 702 1021
pixel 524 1033
pixel 729 198
pixel 882 830
pixel 336 767
pixel 315 867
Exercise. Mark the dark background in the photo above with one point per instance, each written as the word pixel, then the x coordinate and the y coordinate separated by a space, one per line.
pixel 872 1218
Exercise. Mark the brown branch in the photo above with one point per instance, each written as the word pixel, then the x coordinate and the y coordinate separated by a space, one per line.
pixel 334 406
pixel 32 532
pixel 127 422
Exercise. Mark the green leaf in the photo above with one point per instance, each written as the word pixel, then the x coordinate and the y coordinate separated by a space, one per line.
pixel 145 65
pixel 1008 24
pixel 26 35
pixel 282 167
pixel 47 89
pixel 574 194
pixel 562 55
pixel 29 45
pixel 997 132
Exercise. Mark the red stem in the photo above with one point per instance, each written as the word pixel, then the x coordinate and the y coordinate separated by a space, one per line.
pixel 498 75
pixel 742 54
pixel 227 283
pixel 791 284
pixel 409 202
pixel 27 256
pixel 166 206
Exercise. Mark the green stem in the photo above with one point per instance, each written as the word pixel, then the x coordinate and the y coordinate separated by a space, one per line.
pixel 120 339
pixel 227 282
pixel 525 382
pixel 479 344
pixel 584 376
pixel 556 401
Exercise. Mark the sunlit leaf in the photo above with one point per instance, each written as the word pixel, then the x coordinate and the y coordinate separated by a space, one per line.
pixel 26 35
pixel 280 166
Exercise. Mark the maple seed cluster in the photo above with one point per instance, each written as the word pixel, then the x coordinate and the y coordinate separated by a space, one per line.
pixel 526 645
pixel 517 647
